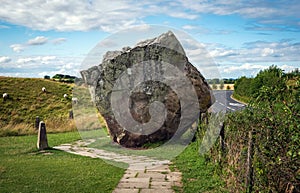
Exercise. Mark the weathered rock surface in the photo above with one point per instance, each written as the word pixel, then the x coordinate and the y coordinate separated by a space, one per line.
pixel 42 142
pixel 159 63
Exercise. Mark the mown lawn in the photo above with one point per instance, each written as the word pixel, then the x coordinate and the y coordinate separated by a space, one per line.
pixel 24 169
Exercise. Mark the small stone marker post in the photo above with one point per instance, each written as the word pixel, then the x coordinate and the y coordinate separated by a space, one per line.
pixel 37 122
pixel 42 142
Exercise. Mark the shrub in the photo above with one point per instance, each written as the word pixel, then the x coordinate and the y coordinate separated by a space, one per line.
pixel 273 119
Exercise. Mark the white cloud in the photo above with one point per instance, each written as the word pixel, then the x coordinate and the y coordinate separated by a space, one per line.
pixel 184 15
pixel 220 52
pixel 38 66
pixel 267 52
pixel 287 68
pixel 85 15
pixel 108 43
pixel 4 27
pixel 17 47
pixel 47 58
pixel 65 67
pixel 252 9
pixel 38 62
pixel 262 11
pixel 4 59
pixel 256 52
pixel 189 27
pixel 26 60
pixel 248 60
pixel 59 41
pixel 244 67
pixel 250 69
pixel 78 15
pixel 114 15
pixel 39 40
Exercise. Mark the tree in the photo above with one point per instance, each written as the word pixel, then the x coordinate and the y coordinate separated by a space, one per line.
pixel 268 78
pixel 215 81
pixel 242 86
pixel 221 84
pixel 214 86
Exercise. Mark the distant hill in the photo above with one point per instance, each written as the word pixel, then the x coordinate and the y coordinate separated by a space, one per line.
pixel 26 101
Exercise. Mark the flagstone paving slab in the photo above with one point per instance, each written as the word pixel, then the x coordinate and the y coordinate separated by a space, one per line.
pixel 144 174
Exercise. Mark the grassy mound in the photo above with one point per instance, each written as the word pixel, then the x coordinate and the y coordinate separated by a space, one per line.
pixel 26 101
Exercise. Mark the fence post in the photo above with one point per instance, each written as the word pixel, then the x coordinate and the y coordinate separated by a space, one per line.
pixel 222 142
pixel 42 142
pixel 204 117
pixel 249 165
pixel 37 122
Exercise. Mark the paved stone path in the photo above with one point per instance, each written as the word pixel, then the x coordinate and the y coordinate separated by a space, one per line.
pixel 144 174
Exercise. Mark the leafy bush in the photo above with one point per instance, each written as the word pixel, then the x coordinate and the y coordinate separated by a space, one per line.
pixel 242 86
pixel 214 86
pixel 273 119
pixel 221 85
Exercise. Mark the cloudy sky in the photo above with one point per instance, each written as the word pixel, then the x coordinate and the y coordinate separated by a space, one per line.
pixel 40 38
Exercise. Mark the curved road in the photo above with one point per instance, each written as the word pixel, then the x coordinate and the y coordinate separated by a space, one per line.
pixel 224 102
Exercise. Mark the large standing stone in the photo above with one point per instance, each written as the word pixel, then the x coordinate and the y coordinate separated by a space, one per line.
pixel 158 62
pixel 42 142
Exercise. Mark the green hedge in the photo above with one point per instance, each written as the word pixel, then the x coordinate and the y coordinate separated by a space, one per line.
pixel 272 122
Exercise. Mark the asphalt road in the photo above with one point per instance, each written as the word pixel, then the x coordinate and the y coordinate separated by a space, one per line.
pixel 224 102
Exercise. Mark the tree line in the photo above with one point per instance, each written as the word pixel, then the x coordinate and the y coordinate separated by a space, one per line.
pixel 62 78
pixel 221 81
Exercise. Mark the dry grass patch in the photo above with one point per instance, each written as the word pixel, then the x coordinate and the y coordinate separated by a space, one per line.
pixel 54 125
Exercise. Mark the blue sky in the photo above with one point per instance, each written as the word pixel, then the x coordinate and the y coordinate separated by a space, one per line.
pixel 40 38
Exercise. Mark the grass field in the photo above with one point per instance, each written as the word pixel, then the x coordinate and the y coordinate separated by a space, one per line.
pixel 24 169
pixel 26 101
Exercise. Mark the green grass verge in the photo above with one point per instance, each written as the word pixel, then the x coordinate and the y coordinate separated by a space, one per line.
pixel 243 99
pixel 197 174
pixel 24 169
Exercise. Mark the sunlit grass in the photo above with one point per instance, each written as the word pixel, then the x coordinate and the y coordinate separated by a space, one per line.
pixel 27 101
pixel 24 169
pixel 198 175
